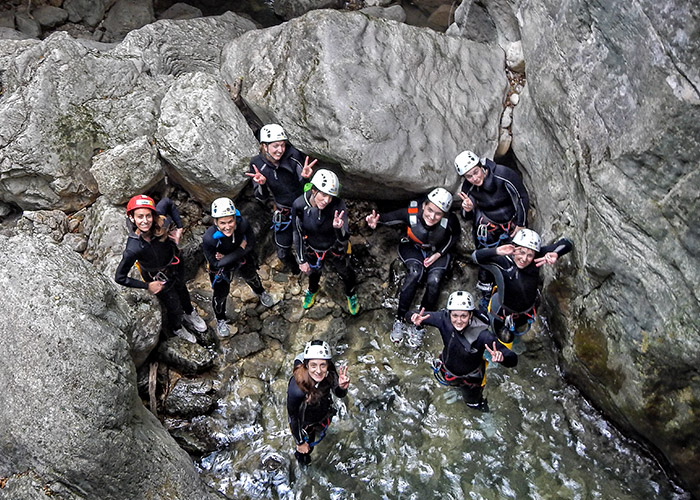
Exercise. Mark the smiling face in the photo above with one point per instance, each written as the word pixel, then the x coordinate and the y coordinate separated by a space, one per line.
pixel 275 150
pixel 476 176
pixel 318 369
pixel 460 319
pixel 143 218
pixel 523 257
pixel 431 213
pixel 226 225
pixel 322 200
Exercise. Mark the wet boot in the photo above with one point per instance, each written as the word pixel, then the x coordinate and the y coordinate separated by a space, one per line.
pixel 303 459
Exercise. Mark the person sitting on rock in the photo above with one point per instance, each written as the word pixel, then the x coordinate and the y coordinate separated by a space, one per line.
pixel 495 199
pixel 309 401
pixel 154 233
pixel 432 231
pixel 516 269
pixel 279 170
pixel 321 236
pixel 465 337
pixel 228 247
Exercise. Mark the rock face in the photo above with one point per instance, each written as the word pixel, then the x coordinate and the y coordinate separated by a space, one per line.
pixel 609 124
pixel 64 342
pixel 369 100
pixel 62 94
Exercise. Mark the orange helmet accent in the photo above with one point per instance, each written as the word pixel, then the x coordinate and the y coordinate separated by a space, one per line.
pixel 140 201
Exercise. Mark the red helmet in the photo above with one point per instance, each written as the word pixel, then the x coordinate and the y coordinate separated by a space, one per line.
pixel 140 201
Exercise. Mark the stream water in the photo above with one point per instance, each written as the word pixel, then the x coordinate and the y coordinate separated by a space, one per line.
pixel 401 435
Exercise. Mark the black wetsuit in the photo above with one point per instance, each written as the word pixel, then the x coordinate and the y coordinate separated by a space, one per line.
pixel 517 292
pixel 462 356
pixel 236 258
pixel 317 242
pixel 440 237
pixel 306 420
pixel 285 183
pixel 500 204
pixel 158 260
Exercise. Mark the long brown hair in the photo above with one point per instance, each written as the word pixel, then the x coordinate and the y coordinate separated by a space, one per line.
pixel 158 229
pixel 308 385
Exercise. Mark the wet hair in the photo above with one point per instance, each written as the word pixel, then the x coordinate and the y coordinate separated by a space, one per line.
pixel 308 385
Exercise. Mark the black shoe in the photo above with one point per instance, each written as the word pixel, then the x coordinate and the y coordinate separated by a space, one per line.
pixel 482 406
pixel 303 458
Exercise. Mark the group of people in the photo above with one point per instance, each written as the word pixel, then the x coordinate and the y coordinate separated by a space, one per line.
pixel 310 224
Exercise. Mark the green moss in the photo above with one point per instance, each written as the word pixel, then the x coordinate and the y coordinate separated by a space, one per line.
pixel 78 135
pixel 591 348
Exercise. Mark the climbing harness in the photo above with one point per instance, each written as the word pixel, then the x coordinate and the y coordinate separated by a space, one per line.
pixel 281 219
pixel 485 227
pixel 444 377
pixel 321 426
pixel 162 273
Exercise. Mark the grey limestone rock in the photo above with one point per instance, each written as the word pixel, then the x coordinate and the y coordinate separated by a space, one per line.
pixel 89 11
pixel 609 123
pixel 49 16
pixel 289 9
pixel 186 357
pixel 180 10
pixel 190 398
pixel 127 169
pixel 367 98
pixel 125 16
pixel 394 12
pixel 70 411
pixel 204 136
pixel 492 21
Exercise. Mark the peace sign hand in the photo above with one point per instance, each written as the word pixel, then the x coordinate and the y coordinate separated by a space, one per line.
pixel 257 177
pixel 307 171
pixel 419 317
pixel 338 221
pixel 548 258
pixel 372 219
pixel 343 379
pixel 496 355
pixel 467 204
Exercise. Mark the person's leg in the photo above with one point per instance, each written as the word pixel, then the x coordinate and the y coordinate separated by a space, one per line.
pixel 436 273
pixel 283 239
pixel 172 308
pixel 221 286
pixel 249 272
pixel 473 396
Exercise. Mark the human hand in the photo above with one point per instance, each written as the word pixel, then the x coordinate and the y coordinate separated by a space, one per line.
pixel 338 221
pixel 467 204
pixel 505 250
pixel 305 268
pixel 429 261
pixel 218 256
pixel 303 448
pixel 155 287
pixel 244 243
pixel 418 318
pixel 175 234
pixel 307 170
pixel 515 230
pixel 372 219
pixel 257 177
pixel 496 355
pixel 343 379
pixel 548 258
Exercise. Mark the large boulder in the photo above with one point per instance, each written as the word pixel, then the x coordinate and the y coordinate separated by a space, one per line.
pixel 608 135
pixel 71 412
pixel 205 137
pixel 393 114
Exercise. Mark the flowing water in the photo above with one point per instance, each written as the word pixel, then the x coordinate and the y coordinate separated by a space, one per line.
pixel 400 435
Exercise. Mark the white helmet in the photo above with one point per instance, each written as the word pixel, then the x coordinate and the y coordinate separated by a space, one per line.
pixel 465 161
pixel 272 133
pixel 326 182
pixel 460 301
pixel 442 198
pixel 222 207
pixel 527 238
pixel 317 349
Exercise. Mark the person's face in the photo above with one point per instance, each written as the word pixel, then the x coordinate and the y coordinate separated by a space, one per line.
pixel 322 200
pixel 431 213
pixel 460 319
pixel 318 369
pixel 275 150
pixel 143 218
pixel 523 257
pixel 226 225
pixel 476 176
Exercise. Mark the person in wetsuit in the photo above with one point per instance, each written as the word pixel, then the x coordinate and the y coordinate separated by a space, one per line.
pixel 495 199
pixel 280 171
pixel 322 236
pixel 154 232
pixel 516 270
pixel 228 247
pixel 309 401
pixel 465 337
pixel 432 231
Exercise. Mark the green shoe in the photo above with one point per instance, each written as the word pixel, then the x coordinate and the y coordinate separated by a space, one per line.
pixel 309 299
pixel 353 304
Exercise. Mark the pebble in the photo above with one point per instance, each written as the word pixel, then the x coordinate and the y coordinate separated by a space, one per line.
pixel 514 99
